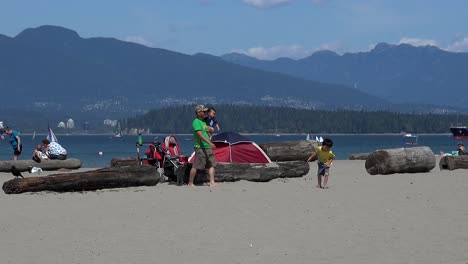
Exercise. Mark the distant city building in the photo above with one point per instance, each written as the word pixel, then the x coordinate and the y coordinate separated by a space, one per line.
pixel 61 124
pixel 109 122
pixel 70 123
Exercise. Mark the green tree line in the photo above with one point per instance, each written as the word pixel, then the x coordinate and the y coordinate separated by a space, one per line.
pixel 264 119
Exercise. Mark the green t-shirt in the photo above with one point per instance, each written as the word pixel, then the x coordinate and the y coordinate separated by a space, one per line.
pixel 200 125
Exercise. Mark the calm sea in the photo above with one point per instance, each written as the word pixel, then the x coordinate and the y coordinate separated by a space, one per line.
pixel 87 148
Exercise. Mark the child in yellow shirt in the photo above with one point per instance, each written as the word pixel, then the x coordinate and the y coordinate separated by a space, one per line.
pixel 325 157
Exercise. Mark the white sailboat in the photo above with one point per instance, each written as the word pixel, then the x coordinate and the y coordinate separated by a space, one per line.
pixel 117 131
pixel 50 135
pixel 308 137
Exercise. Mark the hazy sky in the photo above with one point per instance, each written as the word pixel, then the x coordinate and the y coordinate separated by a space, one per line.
pixel 266 29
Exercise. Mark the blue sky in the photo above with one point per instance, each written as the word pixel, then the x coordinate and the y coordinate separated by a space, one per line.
pixel 265 29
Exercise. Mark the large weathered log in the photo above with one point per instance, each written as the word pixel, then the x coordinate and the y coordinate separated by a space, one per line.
pixel 400 160
pixel 47 165
pixel 257 172
pixel 137 175
pixel 289 150
pixel 453 162
pixel 359 156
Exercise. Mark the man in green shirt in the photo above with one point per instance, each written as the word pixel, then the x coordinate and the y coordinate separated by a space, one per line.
pixel 204 157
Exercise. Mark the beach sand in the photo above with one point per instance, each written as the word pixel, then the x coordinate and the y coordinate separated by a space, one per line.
pixel 362 218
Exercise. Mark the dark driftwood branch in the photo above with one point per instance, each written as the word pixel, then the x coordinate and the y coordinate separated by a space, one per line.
pixel 289 150
pixel 47 165
pixel 257 172
pixel 400 160
pixel 119 162
pixel 359 156
pixel 453 162
pixel 138 175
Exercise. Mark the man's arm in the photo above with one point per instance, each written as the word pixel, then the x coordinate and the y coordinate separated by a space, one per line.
pixel 202 137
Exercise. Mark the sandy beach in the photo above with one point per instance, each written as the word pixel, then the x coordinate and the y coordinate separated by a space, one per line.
pixel 400 218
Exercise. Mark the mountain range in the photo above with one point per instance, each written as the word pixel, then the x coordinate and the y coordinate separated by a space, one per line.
pixel 399 73
pixel 54 71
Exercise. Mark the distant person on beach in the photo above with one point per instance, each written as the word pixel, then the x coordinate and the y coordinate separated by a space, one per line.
pixel 15 141
pixel 54 150
pixel 204 156
pixel 211 121
pixel 38 155
pixel 460 151
pixel 325 157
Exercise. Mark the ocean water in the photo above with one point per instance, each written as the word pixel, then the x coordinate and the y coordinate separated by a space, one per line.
pixel 87 147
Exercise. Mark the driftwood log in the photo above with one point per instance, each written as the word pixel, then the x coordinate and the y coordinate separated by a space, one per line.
pixel 120 162
pixel 256 172
pixel 400 160
pixel 359 156
pixel 289 150
pixel 453 162
pixel 137 175
pixel 47 165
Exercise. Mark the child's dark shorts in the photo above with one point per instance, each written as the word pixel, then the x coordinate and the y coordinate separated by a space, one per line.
pixel 17 152
pixel 322 169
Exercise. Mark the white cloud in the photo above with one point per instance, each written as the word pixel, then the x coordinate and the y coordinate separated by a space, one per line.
pixel 291 51
pixel 139 40
pixel 460 45
pixel 266 3
pixel 418 42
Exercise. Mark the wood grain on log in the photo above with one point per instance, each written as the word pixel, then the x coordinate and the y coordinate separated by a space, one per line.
pixel 359 156
pixel 453 162
pixel 137 175
pixel 47 165
pixel 400 160
pixel 289 150
pixel 257 172
pixel 120 162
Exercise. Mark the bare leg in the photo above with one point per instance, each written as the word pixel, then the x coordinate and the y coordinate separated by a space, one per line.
pixel 325 180
pixel 319 181
pixel 15 157
pixel 193 172
pixel 211 172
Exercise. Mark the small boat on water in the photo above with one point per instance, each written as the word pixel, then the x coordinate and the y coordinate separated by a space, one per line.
pixel 50 135
pixel 410 139
pixel 459 132
pixel 117 131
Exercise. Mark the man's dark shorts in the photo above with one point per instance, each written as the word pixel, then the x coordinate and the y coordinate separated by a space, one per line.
pixel 16 152
pixel 204 159
pixel 322 169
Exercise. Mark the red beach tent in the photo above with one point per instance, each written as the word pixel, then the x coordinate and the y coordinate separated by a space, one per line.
pixel 235 148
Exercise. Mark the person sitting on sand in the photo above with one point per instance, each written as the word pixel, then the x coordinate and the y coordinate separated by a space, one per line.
pixel 38 155
pixel 325 157
pixel 54 150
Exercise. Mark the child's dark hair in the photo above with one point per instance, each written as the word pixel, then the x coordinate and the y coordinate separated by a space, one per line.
pixel 211 109
pixel 328 142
